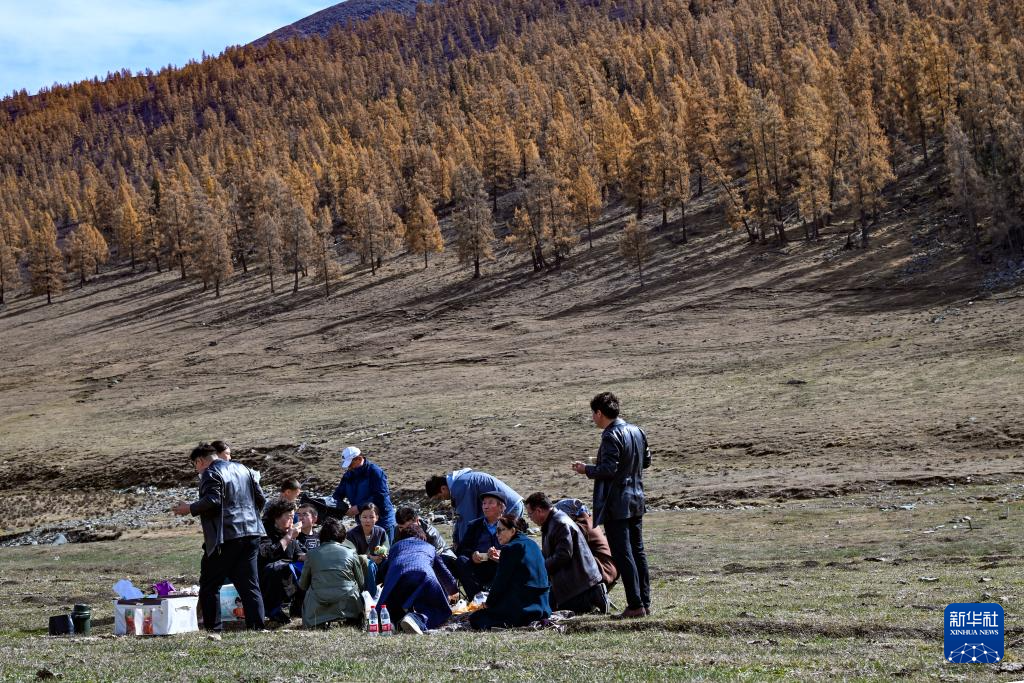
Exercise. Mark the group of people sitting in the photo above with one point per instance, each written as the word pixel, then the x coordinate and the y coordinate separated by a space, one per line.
pixel 334 576
pixel 326 574
pixel 398 559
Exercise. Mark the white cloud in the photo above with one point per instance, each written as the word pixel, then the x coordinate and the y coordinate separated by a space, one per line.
pixel 63 41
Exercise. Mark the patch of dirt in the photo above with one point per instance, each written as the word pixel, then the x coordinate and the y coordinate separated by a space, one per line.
pixel 759 373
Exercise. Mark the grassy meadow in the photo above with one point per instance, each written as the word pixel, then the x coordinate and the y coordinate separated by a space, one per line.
pixel 830 588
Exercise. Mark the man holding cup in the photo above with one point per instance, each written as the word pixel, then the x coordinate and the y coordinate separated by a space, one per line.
pixel 619 498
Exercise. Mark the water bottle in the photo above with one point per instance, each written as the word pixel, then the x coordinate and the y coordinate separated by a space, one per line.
pixel 385 621
pixel 371 622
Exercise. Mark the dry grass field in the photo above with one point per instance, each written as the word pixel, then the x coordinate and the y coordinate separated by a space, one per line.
pixel 794 398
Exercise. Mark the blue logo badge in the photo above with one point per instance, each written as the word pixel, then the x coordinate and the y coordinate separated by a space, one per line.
pixel 974 633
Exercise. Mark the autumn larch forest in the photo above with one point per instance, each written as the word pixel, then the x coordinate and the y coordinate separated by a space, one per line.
pixel 282 157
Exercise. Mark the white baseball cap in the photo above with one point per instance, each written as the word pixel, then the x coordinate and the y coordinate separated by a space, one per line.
pixel 348 455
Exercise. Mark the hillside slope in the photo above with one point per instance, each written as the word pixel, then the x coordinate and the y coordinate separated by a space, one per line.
pixel 758 372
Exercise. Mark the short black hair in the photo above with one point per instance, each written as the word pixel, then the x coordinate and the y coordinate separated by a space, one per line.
pixel 311 508
pixel 410 532
pixel 368 506
pixel 278 508
pixel 331 531
pixel 607 403
pixel 220 446
pixel 513 522
pixel 291 485
pixel 539 501
pixel 406 513
pixel 203 450
pixel 434 485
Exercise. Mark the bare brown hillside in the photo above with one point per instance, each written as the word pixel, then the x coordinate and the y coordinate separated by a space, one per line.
pixel 759 372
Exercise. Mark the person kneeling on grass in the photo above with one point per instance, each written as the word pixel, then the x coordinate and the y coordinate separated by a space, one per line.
pixel 417 583
pixel 278 550
pixel 333 577
pixel 519 592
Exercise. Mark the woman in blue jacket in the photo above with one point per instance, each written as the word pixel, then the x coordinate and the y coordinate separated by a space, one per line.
pixel 519 592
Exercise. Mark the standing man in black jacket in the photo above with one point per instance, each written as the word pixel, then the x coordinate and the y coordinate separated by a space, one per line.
pixel 230 500
pixel 619 498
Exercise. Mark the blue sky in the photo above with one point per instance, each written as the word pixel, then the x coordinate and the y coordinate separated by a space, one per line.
pixel 62 41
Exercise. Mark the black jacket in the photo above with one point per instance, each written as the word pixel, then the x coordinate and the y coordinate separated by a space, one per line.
pixel 571 566
pixel 270 547
pixel 230 500
pixel 618 473
pixel 434 537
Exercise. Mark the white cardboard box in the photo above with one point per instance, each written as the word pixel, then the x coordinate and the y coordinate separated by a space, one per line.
pixel 156 616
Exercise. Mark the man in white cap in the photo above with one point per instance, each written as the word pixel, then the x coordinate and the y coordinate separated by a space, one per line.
pixel 365 482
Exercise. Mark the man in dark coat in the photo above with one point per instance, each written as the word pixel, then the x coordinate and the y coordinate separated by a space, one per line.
pixel 596 540
pixel 475 568
pixel 230 500
pixel 619 498
pixel 576 582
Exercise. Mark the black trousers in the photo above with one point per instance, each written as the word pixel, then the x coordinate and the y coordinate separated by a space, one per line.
pixel 626 540
pixel 591 600
pixel 275 580
pixel 474 577
pixel 235 560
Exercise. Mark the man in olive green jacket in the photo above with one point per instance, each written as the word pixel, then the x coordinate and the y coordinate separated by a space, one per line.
pixel 332 577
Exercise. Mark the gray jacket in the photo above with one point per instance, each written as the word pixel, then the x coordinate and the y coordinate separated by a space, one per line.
pixel 619 473
pixel 230 500
pixel 571 566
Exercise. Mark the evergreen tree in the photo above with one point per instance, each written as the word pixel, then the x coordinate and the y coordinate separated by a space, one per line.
pixel 10 273
pixel 474 228
pixel 45 262
pixel 634 247
pixel 127 226
pixel 422 231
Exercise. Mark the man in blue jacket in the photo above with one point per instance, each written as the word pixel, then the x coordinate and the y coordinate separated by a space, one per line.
pixel 365 482
pixel 464 488
pixel 619 501
pixel 230 500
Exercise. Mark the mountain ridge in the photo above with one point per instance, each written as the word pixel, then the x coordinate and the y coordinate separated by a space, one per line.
pixel 321 23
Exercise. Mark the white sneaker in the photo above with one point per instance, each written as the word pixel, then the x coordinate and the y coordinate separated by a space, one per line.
pixel 410 625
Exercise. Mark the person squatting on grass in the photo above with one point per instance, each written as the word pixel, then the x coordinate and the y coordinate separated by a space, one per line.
pixel 365 482
pixel 576 582
pixel 619 498
pixel 596 540
pixel 332 578
pixel 230 500
pixel 278 550
pixel 475 566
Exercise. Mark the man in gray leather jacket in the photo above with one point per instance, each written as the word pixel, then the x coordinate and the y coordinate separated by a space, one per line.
pixel 619 498
pixel 576 581
pixel 230 500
